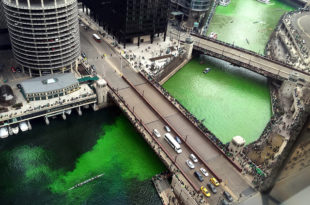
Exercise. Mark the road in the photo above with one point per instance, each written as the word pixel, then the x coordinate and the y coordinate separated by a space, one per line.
pixel 110 68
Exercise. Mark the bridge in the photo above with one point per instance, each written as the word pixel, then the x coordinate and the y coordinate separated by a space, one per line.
pixel 242 57
pixel 150 109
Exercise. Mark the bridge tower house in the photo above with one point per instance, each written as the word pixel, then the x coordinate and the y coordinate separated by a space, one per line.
pixel 102 94
pixel 189 45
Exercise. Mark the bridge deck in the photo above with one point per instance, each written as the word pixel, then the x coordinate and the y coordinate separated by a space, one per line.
pixel 110 68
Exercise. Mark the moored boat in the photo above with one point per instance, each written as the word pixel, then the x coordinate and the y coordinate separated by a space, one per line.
pixel 23 126
pixel 15 129
pixel 4 133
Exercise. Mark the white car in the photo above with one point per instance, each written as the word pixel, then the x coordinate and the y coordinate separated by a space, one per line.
pixel 156 133
pixel 204 172
pixel 193 157
pixel 167 128
pixel 190 164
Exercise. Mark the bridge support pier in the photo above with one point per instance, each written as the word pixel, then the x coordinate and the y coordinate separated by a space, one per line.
pixel 47 120
pixel 79 110
pixel 189 45
pixel 29 125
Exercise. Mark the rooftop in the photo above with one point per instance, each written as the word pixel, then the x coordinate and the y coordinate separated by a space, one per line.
pixel 48 83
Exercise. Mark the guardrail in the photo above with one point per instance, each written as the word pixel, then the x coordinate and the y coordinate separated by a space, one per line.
pixel 188 145
pixel 155 139
pixel 219 149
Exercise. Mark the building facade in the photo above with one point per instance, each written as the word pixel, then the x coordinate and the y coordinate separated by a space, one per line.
pixel 190 6
pixel 48 87
pixel 130 20
pixel 44 34
pixel 193 10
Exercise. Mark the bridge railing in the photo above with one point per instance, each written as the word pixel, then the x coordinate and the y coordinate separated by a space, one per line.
pixel 169 124
pixel 154 138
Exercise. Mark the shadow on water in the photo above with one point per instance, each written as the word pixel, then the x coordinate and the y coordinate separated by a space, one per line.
pixel 39 166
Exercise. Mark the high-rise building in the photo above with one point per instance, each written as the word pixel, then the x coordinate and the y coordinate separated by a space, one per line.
pixel 191 8
pixel 44 34
pixel 130 20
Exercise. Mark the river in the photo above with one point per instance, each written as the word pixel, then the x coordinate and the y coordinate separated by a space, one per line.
pixel 248 23
pixel 39 166
pixel 231 100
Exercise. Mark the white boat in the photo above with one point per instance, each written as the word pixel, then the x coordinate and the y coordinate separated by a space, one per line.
pixel 213 35
pixel 15 129
pixel 264 1
pixel 23 126
pixel 206 70
pixel 68 112
pixel 4 133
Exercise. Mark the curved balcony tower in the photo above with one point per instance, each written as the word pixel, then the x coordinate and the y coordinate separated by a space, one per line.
pixel 44 34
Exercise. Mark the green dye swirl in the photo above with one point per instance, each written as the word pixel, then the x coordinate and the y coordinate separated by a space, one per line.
pixel 30 171
pixel 115 147
pixel 247 23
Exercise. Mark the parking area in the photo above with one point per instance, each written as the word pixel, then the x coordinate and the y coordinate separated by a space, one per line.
pixel 8 74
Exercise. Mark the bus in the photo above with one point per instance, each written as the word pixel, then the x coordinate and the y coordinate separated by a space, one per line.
pixel 97 38
pixel 171 141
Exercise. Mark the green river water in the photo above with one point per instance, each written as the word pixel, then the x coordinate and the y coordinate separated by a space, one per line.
pixel 39 166
pixel 247 19
pixel 230 100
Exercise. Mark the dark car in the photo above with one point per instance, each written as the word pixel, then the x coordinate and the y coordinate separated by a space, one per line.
pixel 212 188
pixel 83 55
pixel 93 67
pixel 178 140
pixel 18 69
pixel 228 196
pixel 224 202
pixel 199 176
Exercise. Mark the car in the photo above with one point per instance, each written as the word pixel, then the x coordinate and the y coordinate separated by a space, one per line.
pixel 18 69
pixel 190 164
pixel 214 181
pixel 205 191
pixel 13 69
pixel 167 128
pixel 193 157
pixel 204 172
pixel 224 202
pixel 198 176
pixel 178 140
pixel 93 67
pixel 83 55
pixel 156 133
pixel 228 196
pixel 212 188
